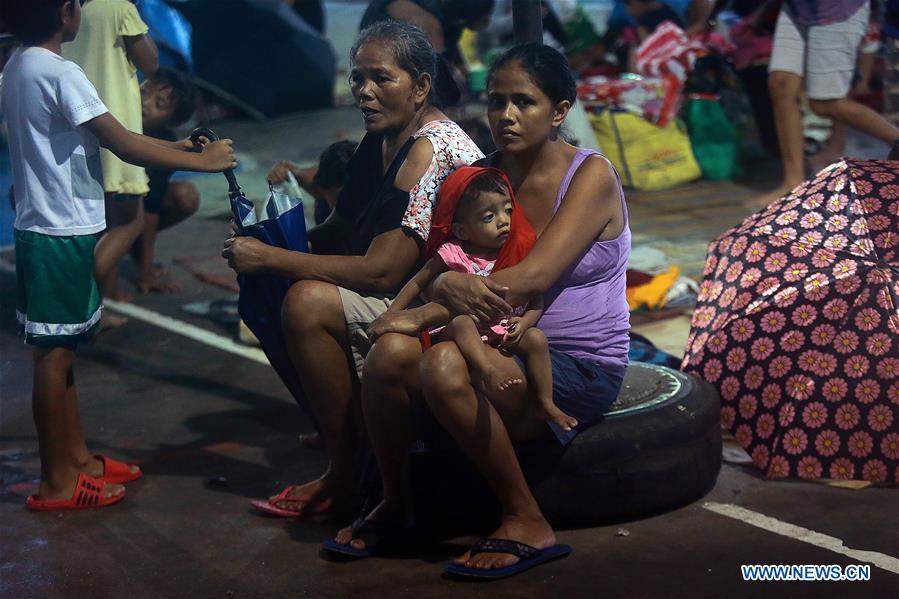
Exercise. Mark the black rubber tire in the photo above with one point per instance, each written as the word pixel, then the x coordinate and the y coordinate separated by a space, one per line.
pixel 658 449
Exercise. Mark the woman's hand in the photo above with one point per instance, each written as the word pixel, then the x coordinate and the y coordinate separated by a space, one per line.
pixel 470 294
pixel 405 322
pixel 246 255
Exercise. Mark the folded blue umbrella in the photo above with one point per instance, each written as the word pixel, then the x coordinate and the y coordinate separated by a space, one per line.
pixel 280 223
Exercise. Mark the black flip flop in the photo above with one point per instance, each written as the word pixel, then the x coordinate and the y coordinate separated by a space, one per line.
pixel 529 557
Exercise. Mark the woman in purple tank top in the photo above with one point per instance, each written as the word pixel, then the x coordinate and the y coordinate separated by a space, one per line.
pixel 574 201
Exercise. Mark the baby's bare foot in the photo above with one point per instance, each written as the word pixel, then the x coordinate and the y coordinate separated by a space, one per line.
pixel 494 380
pixel 551 412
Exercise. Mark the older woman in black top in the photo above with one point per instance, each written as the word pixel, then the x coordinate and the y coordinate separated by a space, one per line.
pixel 408 150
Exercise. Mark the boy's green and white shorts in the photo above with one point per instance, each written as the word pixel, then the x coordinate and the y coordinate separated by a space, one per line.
pixel 58 302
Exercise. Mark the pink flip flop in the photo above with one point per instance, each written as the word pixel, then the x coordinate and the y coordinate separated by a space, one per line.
pixel 117 472
pixel 268 506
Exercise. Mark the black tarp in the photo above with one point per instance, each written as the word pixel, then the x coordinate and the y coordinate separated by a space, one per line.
pixel 261 52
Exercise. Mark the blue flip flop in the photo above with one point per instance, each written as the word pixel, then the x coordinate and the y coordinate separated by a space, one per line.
pixel 333 547
pixel 376 534
pixel 530 557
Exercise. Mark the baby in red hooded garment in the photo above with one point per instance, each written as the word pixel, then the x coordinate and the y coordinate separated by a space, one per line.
pixel 478 229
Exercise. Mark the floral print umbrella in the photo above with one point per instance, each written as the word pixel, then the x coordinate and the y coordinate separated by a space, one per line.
pixel 797 325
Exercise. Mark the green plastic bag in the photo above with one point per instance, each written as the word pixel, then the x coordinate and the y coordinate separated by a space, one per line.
pixel 713 138
pixel 580 32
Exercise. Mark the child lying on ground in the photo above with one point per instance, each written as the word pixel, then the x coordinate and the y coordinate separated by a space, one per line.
pixel 487 233
pixel 56 124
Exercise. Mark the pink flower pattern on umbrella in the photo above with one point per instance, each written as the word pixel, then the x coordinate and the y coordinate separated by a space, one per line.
pixel 834 389
pixel 827 443
pixel 797 325
pixel 875 471
pixel 860 444
pixel 809 467
pixel 842 469
pixel 814 415
pixel 880 418
pixel 760 456
pixel 890 446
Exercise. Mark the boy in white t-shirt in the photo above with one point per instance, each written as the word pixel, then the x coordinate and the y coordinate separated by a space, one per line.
pixel 56 124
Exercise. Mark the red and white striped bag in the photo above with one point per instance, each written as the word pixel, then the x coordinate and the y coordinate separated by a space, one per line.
pixel 668 51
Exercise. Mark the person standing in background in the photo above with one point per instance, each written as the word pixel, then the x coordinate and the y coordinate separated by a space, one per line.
pixel 112 46
pixel 441 20
pixel 891 53
pixel 816 45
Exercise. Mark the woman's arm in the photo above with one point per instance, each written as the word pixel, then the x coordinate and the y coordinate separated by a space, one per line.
pixel 591 207
pixel 382 269
pixel 322 235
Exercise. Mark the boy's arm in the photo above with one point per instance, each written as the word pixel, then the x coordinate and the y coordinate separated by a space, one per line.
pixel 181 144
pixel 135 149
pixel 304 176
pixel 412 290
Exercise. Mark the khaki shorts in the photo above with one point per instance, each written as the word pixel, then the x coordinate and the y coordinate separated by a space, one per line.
pixel 824 55
pixel 359 312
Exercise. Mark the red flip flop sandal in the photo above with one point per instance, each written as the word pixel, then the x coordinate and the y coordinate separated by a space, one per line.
pixel 117 472
pixel 88 493
pixel 269 507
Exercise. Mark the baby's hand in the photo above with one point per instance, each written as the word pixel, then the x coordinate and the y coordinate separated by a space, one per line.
pixel 514 330
pixel 399 321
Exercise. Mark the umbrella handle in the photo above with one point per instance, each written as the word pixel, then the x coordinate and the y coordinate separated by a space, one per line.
pixel 196 134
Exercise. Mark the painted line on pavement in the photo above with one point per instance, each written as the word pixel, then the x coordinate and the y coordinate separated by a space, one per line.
pixel 188 330
pixel 881 560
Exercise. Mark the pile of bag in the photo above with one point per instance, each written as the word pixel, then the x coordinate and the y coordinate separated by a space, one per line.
pixel 669 51
pixel 634 118
pixel 655 99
